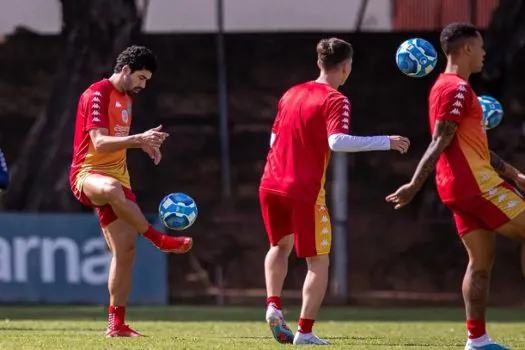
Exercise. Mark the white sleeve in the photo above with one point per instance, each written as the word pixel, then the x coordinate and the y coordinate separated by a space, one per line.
pixel 350 143
pixel 272 139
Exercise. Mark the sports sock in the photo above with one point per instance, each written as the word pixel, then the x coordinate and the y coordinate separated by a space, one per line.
pixel 305 325
pixel 153 235
pixel 275 301
pixel 475 328
pixel 163 241
pixel 116 317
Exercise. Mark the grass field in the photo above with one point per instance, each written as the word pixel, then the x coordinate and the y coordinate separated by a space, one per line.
pixel 242 328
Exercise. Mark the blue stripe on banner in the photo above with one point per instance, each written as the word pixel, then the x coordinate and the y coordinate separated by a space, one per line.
pixel 63 258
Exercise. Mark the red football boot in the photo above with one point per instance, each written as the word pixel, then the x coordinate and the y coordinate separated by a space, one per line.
pixel 177 245
pixel 123 331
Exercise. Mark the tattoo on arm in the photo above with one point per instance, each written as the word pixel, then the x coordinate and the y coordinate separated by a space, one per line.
pixel 502 168
pixel 497 163
pixel 475 293
pixel 444 132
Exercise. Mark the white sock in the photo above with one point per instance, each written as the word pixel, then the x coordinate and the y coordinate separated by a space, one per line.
pixel 274 308
pixel 481 341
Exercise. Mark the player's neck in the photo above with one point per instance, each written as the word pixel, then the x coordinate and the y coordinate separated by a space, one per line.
pixel 458 69
pixel 116 81
pixel 329 79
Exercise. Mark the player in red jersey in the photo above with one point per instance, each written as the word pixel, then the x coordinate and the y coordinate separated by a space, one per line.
pixel 312 120
pixel 99 175
pixel 468 175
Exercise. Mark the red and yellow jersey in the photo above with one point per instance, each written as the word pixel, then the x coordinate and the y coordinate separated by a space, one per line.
pixel 297 161
pixel 463 170
pixel 100 106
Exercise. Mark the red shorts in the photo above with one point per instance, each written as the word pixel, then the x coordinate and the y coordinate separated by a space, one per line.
pixel 489 210
pixel 310 223
pixel 105 213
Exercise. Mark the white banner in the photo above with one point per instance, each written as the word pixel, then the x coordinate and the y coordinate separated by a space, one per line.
pixel 200 16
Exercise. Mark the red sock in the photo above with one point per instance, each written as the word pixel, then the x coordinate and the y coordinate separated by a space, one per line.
pixel 306 325
pixel 154 236
pixel 276 301
pixel 117 315
pixel 167 242
pixel 475 328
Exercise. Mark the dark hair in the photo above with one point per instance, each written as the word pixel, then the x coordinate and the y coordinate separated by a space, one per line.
pixel 454 35
pixel 333 51
pixel 137 58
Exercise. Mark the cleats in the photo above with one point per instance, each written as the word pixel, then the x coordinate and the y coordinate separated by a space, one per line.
pixel 177 245
pixel 280 330
pixel 122 331
pixel 308 339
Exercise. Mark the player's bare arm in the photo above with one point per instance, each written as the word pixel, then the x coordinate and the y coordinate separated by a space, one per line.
pixel 502 168
pixel 507 171
pixel 149 140
pixel 444 132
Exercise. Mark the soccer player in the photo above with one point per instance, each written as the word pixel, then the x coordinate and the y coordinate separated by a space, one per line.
pixel 4 173
pixel 99 175
pixel 312 120
pixel 468 175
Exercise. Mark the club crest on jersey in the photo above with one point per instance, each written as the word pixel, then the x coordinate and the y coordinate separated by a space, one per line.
pixel 125 116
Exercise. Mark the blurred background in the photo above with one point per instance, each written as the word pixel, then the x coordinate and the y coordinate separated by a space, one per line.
pixel 223 66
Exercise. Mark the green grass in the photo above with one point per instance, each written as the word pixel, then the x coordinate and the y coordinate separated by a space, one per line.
pixel 242 328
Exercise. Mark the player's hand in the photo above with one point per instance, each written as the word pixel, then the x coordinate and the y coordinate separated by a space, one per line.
pixel 399 143
pixel 519 181
pixel 153 137
pixel 154 153
pixel 402 196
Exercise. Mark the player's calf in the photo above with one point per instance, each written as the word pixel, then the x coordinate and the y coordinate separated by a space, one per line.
pixel 315 285
pixel 480 246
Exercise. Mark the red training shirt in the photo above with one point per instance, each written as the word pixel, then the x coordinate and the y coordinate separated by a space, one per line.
pixel 100 106
pixel 464 168
pixel 297 161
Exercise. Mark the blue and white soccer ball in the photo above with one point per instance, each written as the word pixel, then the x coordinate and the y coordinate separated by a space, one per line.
pixel 492 111
pixel 178 211
pixel 416 57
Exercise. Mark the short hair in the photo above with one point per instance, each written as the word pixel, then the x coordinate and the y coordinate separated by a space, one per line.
pixel 333 51
pixel 454 35
pixel 137 58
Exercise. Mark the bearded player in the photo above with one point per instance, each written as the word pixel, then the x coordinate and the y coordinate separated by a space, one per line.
pixel 312 120
pixel 468 175
pixel 99 175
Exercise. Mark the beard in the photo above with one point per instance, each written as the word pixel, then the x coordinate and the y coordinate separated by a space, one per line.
pixel 134 91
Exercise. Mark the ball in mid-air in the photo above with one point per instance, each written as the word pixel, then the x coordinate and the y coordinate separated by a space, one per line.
pixel 416 57
pixel 178 211
pixel 492 111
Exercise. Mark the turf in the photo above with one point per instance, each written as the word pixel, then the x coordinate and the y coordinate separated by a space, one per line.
pixel 242 328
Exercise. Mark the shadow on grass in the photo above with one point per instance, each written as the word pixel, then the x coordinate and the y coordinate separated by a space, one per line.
pixel 251 314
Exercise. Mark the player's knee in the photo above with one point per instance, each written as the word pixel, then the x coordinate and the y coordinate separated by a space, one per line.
pixel 483 261
pixel 124 252
pixel 112 191
pixel 286 244
pixel 318 263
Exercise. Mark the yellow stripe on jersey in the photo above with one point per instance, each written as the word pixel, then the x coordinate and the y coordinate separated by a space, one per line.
pixel 323 230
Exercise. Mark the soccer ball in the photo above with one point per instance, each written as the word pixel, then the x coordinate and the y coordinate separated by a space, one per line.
pixel 177 211
pixel 416 57
pixel 492 111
